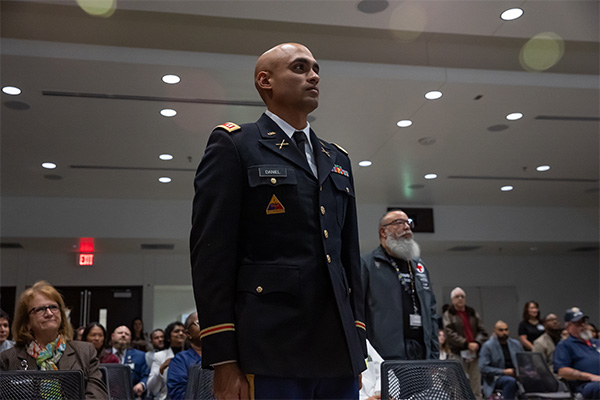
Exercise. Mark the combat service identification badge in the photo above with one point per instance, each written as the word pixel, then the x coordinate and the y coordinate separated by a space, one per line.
pixel 275 206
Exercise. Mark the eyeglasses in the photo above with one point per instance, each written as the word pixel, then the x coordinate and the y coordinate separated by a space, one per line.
pixel 41 310
pixel 458 296
pixel 400 221
pixel 196 322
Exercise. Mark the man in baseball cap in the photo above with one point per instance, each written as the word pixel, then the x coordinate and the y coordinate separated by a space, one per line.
pixel 577 358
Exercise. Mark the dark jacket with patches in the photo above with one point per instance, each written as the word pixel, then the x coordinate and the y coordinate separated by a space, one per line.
pixel 275 256
pixel 383 309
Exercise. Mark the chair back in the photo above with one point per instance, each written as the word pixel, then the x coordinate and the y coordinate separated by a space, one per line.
pixel 34 385
pixel 119 383
pixel 534 375
pixel 199 384
pixel 424 380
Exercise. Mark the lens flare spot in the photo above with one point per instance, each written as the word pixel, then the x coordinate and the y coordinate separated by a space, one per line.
pixel 408 21
pixel 98 8
pixel 542 52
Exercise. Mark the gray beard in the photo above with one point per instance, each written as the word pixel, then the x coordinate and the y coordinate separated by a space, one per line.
pixel 406 249
pixel 586 335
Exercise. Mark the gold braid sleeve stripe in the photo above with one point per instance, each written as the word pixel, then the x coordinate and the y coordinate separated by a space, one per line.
pixel 217 329
pixel 360 325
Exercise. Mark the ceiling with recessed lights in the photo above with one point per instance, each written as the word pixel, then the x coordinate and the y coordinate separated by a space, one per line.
pixel 437 99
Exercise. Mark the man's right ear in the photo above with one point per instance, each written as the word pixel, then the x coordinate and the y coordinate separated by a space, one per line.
pixel 263 80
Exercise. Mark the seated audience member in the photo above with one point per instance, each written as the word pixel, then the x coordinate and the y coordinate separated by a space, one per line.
pixel 135 359
pixel 157 340
pixel 371 378
pixel 594 330
pixel 5 343
pixel 530 327
pixel 577 358
pixel 445 351
pixel 43 337
pixel 546 343
pixel 79 333
pixel 95 334
pixel 178 369
pixel 174 340
pixel 139 338
pixel 498 362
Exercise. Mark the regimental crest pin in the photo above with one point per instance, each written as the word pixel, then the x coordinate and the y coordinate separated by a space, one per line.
pixel 275 206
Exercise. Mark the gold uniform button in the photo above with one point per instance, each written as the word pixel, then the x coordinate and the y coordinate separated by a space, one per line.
pixel 259 289
pixel 328 258
pixel 347 190
pixel 322 210
pixel 274 181
pixel 326 234
pixel 349 290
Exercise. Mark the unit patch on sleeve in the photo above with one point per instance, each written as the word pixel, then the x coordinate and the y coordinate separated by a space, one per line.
pixel 275 206
pixel 339 170
pixel 229 127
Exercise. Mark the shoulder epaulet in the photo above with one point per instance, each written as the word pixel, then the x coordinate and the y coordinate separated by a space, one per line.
pixel 340 148
pixel 229 127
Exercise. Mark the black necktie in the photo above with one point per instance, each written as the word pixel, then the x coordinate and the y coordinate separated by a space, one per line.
pixel 300 139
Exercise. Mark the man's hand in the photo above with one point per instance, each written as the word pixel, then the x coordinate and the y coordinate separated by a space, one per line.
pixel 509 372
pixel 138 389
pixel 230 382
pixel 473 347
pixel 165 365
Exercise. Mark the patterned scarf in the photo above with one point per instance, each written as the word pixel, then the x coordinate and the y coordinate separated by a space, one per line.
pixel 47 357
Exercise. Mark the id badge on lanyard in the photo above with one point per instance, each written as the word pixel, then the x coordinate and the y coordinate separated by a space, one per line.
pixel 415 321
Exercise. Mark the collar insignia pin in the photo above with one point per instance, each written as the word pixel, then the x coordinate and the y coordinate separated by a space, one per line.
pixel 325 151
pixel 283 143
pixel 271 133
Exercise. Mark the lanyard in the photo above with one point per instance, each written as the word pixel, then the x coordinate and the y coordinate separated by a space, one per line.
pixel 412 290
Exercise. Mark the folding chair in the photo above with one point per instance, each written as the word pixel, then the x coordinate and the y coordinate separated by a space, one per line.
pixel 199 384
pixel 119 383
pixel 37 385
pixel 536 381
pixel 424 380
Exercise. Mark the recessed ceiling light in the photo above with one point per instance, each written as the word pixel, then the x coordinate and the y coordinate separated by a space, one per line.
pixel 164 179
pixel 48 165
pixel 165 157
pixel 372 6
pixel 506 188
pixel 171 79
pixel 168 112
pixel 511 14
pixel 433 95
pixel 514 116
pixel 543 168
pixel 430 176
pixel 404 123
pixel 365 163
pixel 11 90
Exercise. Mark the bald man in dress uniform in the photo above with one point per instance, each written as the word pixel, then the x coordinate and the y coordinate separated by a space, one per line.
pixel 274 247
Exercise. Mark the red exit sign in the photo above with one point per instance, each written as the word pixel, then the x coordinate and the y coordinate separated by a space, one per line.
pixel 86 259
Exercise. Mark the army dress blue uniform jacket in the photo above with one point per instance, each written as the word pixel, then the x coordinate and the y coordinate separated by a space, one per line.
pixel 383 309
pixel 275 256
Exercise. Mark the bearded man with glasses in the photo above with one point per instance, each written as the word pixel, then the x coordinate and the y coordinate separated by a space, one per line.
pixel 400 306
